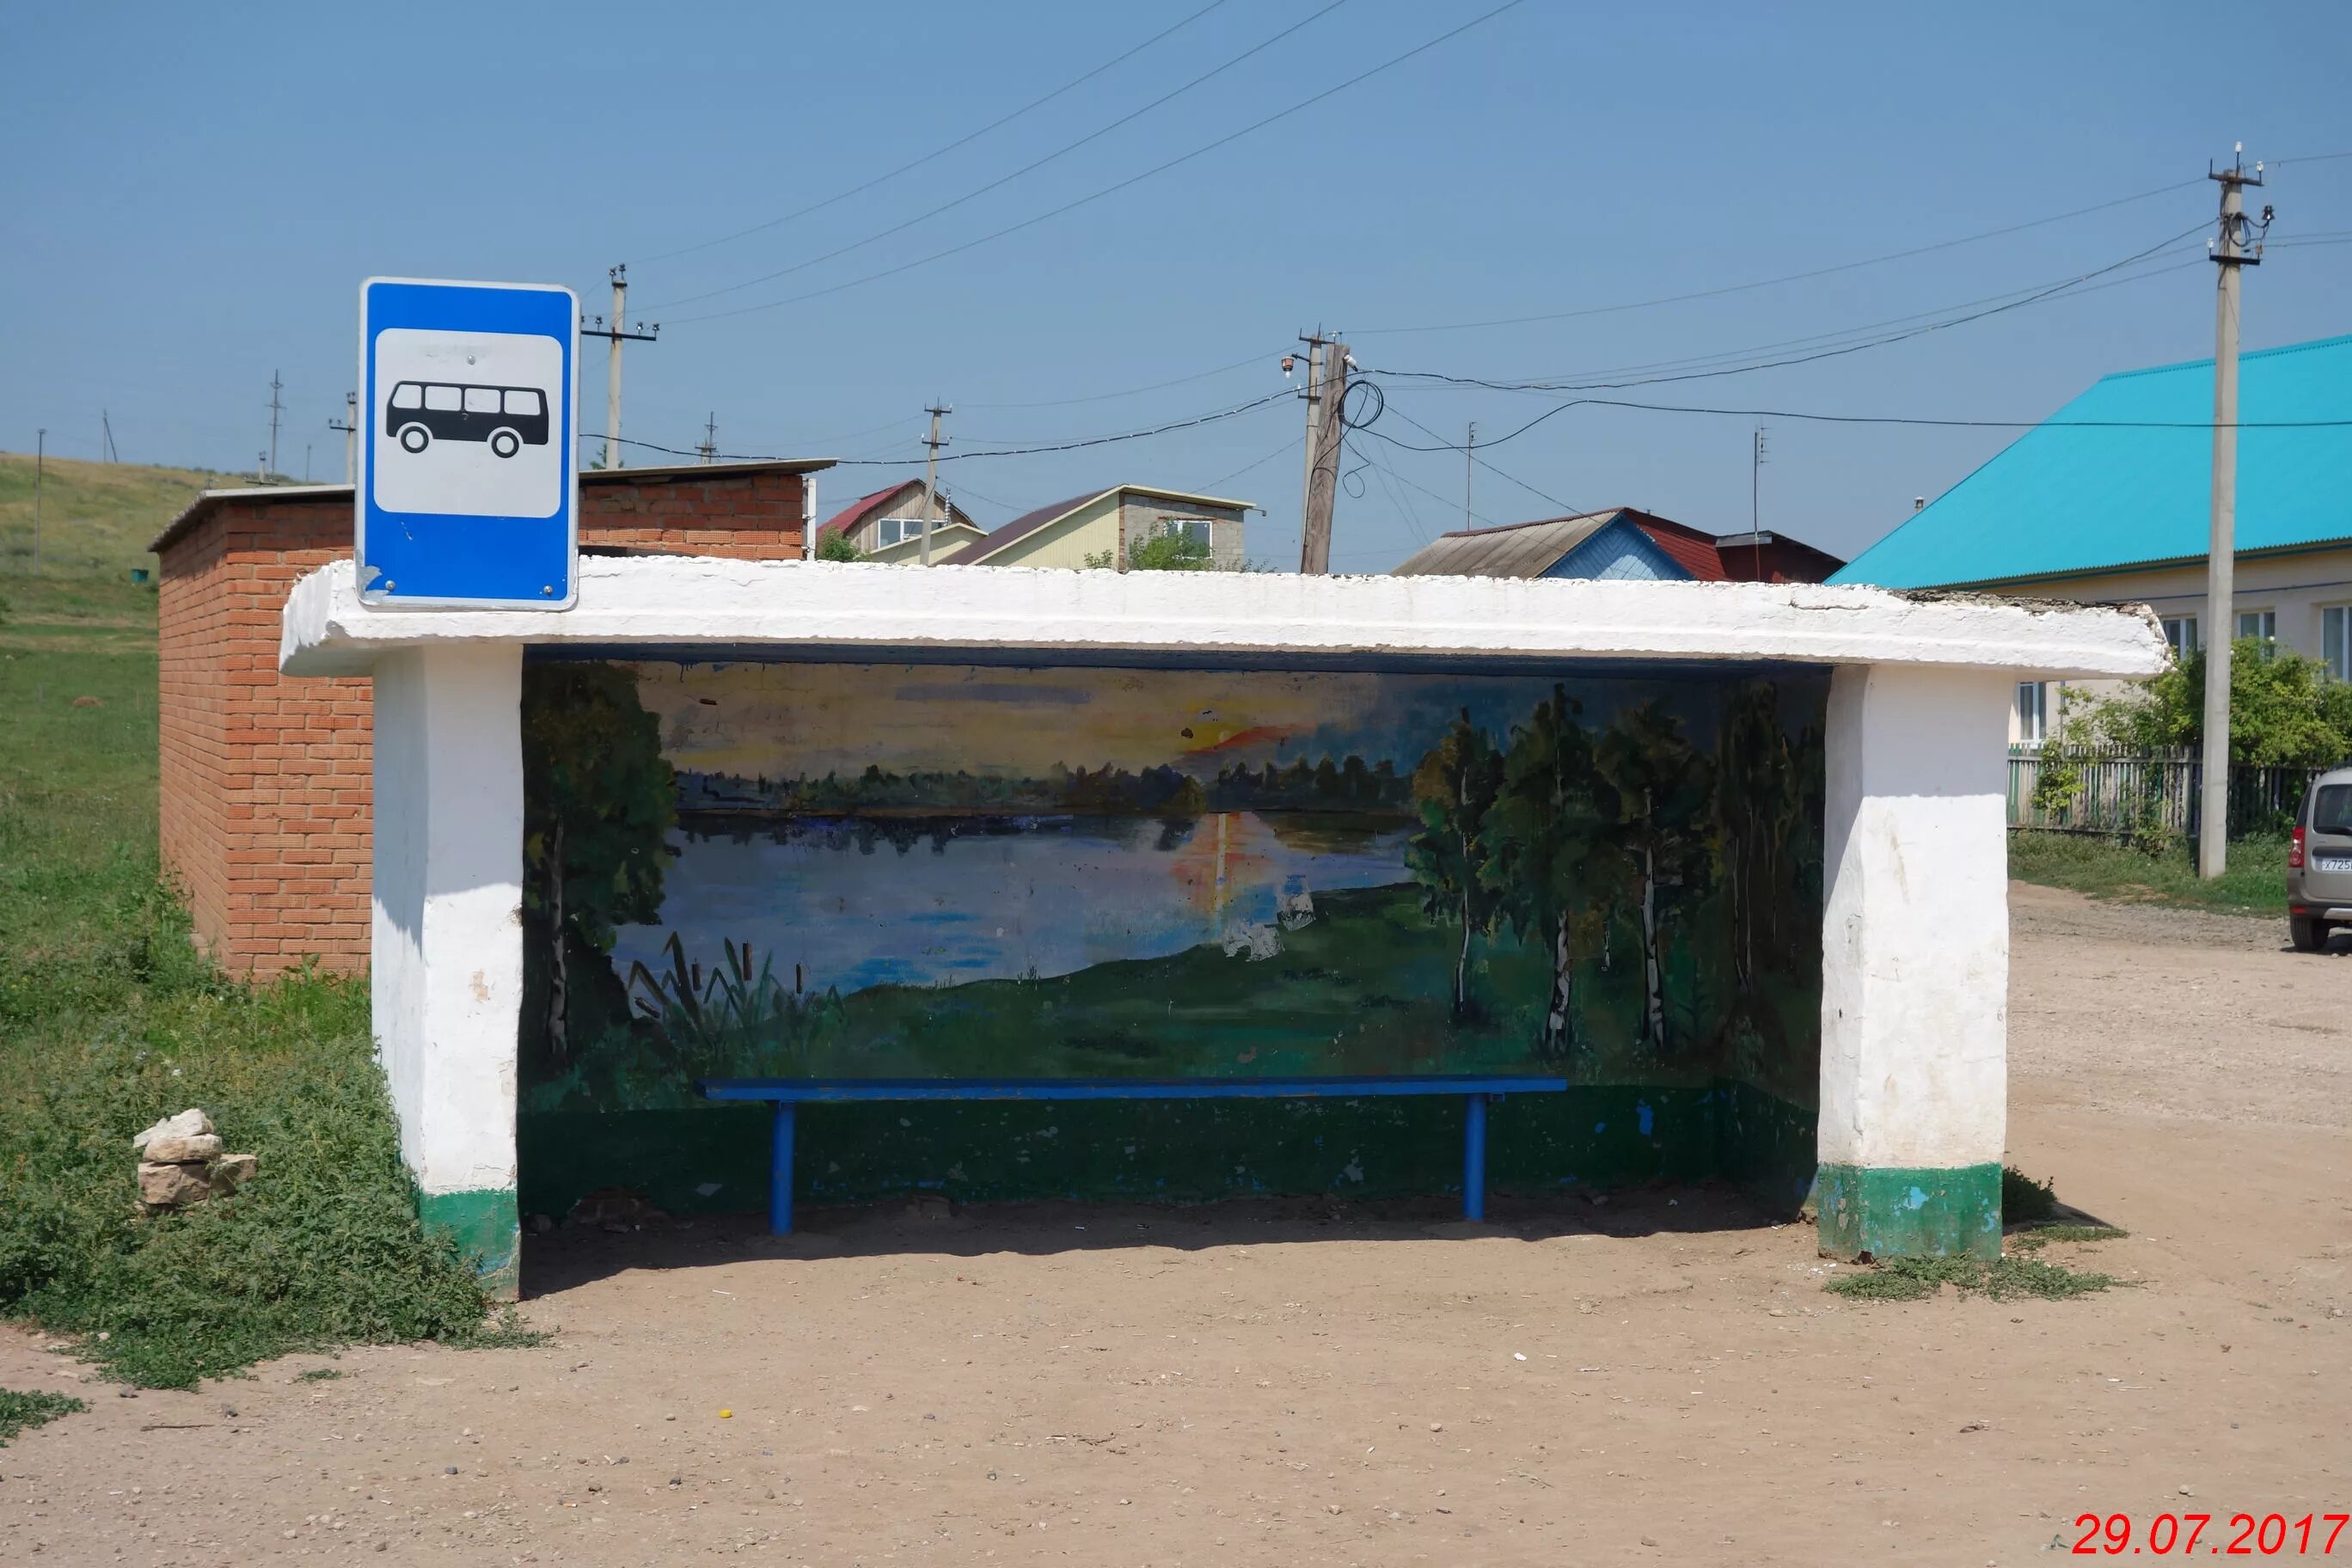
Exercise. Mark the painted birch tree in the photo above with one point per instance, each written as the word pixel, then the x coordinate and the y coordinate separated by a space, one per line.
pixel 1658 786
pixel 1454 790
pixel 1556 863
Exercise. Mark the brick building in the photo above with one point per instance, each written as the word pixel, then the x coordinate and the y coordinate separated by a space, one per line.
pixel 267 783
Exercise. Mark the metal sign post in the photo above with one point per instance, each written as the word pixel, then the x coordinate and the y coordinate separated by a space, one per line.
pixel 468 494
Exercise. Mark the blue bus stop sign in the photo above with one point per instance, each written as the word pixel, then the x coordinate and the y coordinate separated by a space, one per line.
pixel 468 494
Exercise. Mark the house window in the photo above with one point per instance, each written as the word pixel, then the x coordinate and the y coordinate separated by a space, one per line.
pixel 2033 711
pixel 1194 530
pixel 2335 640
pixel 2180 631
pixel 2262 624
pixel 892 530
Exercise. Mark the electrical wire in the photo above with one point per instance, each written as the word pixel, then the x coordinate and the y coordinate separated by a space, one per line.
pixel 1095 135
pixel 1300 107
pixel 1943 325
pixel 1570 508
pixel 1784 277
pixel 1291 444
pixel 939 151
pixel 1198 419
pixel 1132 391
pixel 1689 361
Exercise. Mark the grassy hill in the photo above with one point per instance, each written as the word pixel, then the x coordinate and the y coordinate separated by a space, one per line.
pixel 96 518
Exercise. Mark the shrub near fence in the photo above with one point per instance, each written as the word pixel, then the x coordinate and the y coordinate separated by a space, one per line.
pixel 2125 793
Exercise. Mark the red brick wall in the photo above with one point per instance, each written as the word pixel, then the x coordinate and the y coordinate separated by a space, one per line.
pixel 267 781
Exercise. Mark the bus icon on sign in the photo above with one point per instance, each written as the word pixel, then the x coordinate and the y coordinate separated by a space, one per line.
pixel 507 418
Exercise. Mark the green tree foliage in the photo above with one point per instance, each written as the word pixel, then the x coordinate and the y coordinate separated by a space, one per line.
pixel 2284 710
pixel 1556 861
pixel 1661 788
pixel 1172 552
pixel 1453 789
pixel 598 806
pixel 834 545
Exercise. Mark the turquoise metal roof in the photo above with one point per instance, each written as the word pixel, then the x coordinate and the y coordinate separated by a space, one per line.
pixel 2060 501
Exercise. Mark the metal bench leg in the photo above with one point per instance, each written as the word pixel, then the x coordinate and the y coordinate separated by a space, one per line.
pixel 780 1173
pixel 1473 1157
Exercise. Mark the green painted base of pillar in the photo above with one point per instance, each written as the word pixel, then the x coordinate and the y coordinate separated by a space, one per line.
pixel 485 1225
pixel 1892 1212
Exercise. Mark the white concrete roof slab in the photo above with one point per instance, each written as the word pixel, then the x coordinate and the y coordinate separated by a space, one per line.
pixel 675 601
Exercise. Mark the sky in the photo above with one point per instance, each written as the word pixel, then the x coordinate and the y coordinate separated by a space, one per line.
pixel 196 194
pixel 807 720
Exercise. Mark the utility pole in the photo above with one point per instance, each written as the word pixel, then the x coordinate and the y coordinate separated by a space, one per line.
pixel 616 334
pixel 1469 469
pixel 1326 430
pixel 40 461
pixel 105 438
pixel 1756 503
pixel 1307 475
pixel 306 462
pixel 349 426
pixel 934 441
pixel 2230 253
pixel 709 448
pixel 276 408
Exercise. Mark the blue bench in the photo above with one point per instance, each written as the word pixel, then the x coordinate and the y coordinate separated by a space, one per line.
pixel 788 1094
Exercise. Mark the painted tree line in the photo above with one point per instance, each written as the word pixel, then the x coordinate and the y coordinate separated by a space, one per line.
pixel 1559 833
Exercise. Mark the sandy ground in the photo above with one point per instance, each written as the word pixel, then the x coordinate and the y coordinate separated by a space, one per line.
pixel 1657 1378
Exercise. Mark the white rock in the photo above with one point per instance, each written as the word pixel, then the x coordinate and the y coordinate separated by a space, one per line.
pixel 189 1123
pixel 171 1186
pixel 171 1149
pixel 231 1172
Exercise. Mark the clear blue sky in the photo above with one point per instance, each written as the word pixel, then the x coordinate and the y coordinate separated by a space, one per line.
pixel 193 195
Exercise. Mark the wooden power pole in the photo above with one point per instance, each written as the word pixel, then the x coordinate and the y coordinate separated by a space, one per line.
pixel 2230 253
pixel 1326 430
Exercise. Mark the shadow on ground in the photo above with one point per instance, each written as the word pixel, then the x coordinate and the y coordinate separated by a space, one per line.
pixel 578 1253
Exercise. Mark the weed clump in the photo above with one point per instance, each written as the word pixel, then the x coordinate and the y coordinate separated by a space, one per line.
pixel 2024 1198
pixel 23 1412
pixel 2003 1279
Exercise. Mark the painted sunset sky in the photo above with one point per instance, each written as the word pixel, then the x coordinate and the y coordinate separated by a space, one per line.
pixel 809 719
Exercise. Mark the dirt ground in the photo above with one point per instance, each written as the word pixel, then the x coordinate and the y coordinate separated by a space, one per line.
pixel 1656 1378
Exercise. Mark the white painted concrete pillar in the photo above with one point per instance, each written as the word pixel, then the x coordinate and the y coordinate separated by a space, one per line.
pixel 1915 962
pixel 448 962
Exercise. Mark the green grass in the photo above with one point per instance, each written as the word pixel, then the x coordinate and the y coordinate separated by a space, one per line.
pixel 318 1375
pixel 2255 882
pixel 2005 1280
pixel 96 518
pixel 23 1412
pixel 2040 1236
pixel 108 1019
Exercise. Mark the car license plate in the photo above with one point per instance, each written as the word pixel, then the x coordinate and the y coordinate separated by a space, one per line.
pixel 2331 862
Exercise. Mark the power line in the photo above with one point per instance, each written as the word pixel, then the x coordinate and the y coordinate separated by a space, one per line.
pixel 1834 353
pixel 1095 135
pixel 1788 276
pixel 1132 391
pixel 1252 466
pixel 1569 506
pixel 940 152
pixel 1843 333
pixel 1157 169
pixel 1199 419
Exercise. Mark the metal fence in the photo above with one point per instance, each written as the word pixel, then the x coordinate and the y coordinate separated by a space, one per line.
pixel 2105 790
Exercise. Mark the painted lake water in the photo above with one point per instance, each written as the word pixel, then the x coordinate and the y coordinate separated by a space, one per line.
pixel 941 900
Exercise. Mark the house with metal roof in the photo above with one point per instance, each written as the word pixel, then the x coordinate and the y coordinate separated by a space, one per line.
pixel 1620 543
pixel 2109 501
pixel 887 524
pixel 1102 528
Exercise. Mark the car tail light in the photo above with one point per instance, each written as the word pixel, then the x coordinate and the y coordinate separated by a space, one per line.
pixel 2294 851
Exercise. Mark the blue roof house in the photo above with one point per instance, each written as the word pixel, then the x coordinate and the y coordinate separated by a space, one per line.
pixel 2108 502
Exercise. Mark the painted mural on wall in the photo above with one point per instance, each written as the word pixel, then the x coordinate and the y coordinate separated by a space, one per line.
pixel 891 871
